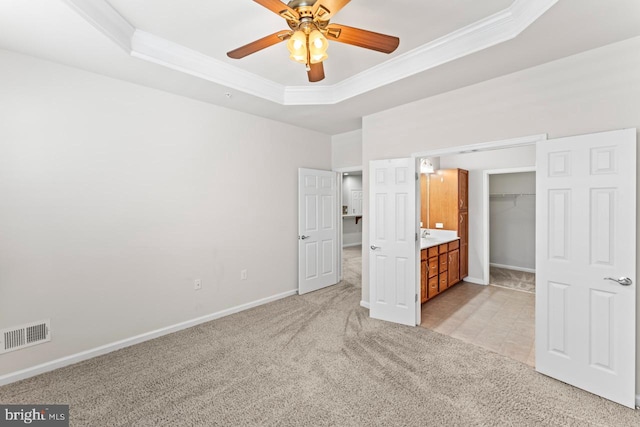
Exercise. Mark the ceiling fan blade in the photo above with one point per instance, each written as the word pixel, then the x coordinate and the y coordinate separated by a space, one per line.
pixel 362 38
pixel 276 6
pixel 316 73
pixel 325 9
pixel 260 44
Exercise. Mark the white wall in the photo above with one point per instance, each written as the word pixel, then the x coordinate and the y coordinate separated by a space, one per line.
pixel 476 164
pixel 346 149
pixel 513 220
pixel 346 152
pixel 351 232
pixel 590 92
pixel 115 197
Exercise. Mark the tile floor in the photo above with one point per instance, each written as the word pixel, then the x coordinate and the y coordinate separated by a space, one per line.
pixel 495 318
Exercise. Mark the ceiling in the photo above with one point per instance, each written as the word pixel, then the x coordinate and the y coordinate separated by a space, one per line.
pixel 180 47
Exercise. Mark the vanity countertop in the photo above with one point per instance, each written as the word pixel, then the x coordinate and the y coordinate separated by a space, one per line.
pixel 436 237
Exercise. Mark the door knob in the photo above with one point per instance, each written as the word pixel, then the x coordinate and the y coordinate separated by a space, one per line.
pixel 373 247
pixel 624 281
pixel 304 237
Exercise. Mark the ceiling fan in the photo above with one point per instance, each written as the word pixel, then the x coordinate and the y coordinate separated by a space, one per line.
pixel 310 31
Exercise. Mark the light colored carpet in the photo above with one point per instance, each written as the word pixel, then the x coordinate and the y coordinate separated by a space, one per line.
pixel 312 360
pixel 512 279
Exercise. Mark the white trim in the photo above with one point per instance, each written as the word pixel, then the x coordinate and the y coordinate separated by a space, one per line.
pixel 486 232
pixel 513 267
pixel 177 57
pixel 127 342
pixel 484 146
pixel 348 245
pixel 484 33
pixel 364 304
pixel 349 169
pixel 474 280
pixel 102 16
pixel 339 240
pixel 637 401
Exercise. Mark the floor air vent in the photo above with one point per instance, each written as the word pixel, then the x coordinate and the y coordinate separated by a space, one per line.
pixel 24 336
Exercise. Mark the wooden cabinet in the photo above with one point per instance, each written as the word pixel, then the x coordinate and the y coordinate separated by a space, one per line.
pixel 424 273
pixel 463 189
pixel 463 233
pixel 454 267
pixel 445 200
pixel 439 269
pixel 432 288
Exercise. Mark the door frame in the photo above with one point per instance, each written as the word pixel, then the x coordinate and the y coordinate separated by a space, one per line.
pixel 337 181
pixel 465 149
pixel 339 253
pixel 486 226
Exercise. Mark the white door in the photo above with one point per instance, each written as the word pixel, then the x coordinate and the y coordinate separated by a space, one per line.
pixel 586 234
pixel 392 240
pixel 356 202
pixel 317 229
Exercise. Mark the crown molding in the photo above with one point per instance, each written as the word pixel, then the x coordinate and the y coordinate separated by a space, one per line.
pixel 177 57
pixel 490 31
pixel 106 19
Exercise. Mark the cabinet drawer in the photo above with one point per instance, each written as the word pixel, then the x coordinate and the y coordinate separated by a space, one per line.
pixel 433 267
pixel 444 262
pixel 432 288
pixel 443 280
pixel 442 248
pixel 433 251
pixel 454 245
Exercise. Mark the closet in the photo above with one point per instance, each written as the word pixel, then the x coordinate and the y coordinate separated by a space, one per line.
pixel 512 230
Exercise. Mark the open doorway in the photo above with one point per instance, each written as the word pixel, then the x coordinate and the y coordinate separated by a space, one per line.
pixel 511 228
pixel 497 318
pixel 351 225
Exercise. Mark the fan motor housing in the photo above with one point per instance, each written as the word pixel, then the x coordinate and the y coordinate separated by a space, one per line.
pixel 295 4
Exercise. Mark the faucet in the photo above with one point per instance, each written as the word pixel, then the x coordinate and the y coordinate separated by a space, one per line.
pixel 425 232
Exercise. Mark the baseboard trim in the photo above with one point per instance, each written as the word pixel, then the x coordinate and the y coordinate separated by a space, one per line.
pixel 474 280
pixel 511 267
pixel 364 304
pixel 127 342
pixel 637 401
pixel 348 245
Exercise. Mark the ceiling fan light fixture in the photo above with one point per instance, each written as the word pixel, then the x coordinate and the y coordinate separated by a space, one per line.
pixel 317 47
pixel 297 46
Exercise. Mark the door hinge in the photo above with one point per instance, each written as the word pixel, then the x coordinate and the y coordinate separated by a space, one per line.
pixel 417 176
pixel 416 237
pixel 416 297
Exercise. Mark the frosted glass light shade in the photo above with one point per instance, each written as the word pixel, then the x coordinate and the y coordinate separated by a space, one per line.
pixel 297 46
pixel 317 47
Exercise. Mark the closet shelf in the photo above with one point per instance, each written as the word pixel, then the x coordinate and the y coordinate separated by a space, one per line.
pixel 510 195
pixel 358 217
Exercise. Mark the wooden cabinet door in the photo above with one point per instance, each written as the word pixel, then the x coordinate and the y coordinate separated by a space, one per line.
pixel 432 287
pixel 443 282
pixel 464 244
pixel 463 227
pixel 464 261
pixel 463 189
pixel 433 266
pixel 454 267
pixel 444 263
pixel 424 267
